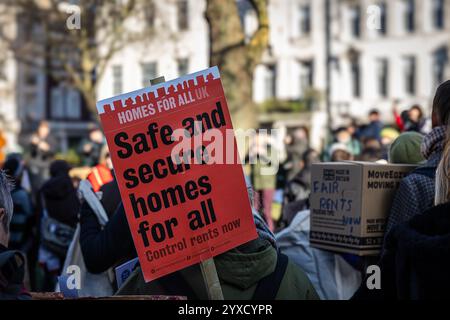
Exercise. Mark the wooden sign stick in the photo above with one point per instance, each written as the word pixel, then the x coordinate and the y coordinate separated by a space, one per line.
pixel 208 267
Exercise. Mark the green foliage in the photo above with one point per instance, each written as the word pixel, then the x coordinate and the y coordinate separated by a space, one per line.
pixel 308 103
pixel 275 105
pixel 72 157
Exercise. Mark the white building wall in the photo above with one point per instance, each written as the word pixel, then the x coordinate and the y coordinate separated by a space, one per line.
pixel 164 47
pixel 288 47
pixel 9 122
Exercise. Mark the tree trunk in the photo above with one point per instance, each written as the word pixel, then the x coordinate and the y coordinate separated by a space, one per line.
pixel 235 57
pixel 91 103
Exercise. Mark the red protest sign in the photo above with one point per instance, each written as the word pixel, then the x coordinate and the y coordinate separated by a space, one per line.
pixel 178 170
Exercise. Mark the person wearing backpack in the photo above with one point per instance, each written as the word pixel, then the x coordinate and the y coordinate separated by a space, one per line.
pixel 416 257
pixel 416 191
pixel 253 271
pixel 59 215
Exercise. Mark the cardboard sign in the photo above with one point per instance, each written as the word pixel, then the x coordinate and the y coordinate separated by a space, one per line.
pixel 350 204
pixel 179 172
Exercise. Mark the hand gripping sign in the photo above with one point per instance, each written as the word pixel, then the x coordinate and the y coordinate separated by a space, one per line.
pixel 181 181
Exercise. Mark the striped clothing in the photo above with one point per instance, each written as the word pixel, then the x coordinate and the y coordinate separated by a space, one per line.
pixel 416 192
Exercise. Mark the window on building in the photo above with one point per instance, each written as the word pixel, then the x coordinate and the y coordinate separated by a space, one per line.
pixel 150 13
pixel 270 81
pixel 439 14
pixel 183 66
pixel 356 78
pixel 306 76
pixel 2 69
pixel 355 17
pixel 30 103
pixel 117 79
pixel 183 14
pixel 383 77
pixel 30 76
pixel 440 64
pixel 410 75
pixel 383 18
pixel 73 104
pixel 305 19
pixel 410 15
pixel 65 103
pixel 149 72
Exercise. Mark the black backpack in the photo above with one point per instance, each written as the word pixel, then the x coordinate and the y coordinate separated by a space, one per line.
pixel 12 272
pixel 267 288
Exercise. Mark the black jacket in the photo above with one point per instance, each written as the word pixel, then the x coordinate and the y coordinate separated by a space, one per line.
pixel 12 272
pixel 111 197
pixel 416 262
pixel 61 200
pixel 104 248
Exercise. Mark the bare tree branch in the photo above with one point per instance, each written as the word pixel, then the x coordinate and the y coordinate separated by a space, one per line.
pixel 72 56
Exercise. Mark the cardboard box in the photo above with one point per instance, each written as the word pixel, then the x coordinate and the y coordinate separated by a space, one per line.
pixel 350 204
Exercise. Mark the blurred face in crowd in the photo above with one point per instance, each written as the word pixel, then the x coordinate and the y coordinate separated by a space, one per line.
pixel 374 116
pixel 415 114
pixel 44 130
pixel 351 129
pixel 343 136
pixel 96 136
pixel 109 163
pixel 288 139
pixel 300 134
pixel 386 141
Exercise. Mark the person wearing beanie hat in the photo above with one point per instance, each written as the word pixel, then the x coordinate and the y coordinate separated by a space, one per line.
pixel 406 149
pixel 340 152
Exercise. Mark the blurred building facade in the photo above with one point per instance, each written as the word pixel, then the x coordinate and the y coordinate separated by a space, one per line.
pixel 380 51
pixel 33 96
pixel 9 122
pixel 178 46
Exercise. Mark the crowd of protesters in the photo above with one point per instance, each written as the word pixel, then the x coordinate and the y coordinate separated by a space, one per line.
pixel 374 141
pixel 42 211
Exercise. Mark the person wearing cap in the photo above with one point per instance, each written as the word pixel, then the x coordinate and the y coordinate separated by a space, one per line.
pixel 343 136
pixel 59 207
pixel 340 152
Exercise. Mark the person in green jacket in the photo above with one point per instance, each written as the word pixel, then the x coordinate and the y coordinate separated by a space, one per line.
pixel 252 271
pixel 240 271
